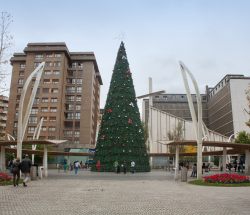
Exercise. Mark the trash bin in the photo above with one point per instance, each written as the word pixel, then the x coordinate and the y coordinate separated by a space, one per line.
pixel 34 172
pixel 40 172
pixel 184 174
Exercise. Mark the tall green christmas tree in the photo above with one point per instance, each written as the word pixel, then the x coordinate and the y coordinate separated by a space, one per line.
pixel 121 135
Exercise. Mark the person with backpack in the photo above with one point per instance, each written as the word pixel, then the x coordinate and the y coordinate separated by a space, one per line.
pixel 16 171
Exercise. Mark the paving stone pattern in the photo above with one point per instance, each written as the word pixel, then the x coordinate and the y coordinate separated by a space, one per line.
pixel 107 193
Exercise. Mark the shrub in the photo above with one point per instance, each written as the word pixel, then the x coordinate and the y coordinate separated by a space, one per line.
pixel 4 177
pixel 227 178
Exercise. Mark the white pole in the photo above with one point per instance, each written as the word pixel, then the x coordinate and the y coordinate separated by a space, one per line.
pixel 176 163
pixel 150 104
pixel 2 159
pixel 224 159
pixel 45 161
pixel 36 136
pixel 22 122
pixel 197 124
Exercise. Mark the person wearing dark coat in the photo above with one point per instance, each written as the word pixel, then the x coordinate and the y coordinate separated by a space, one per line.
pixel 25 168
pixel 16 171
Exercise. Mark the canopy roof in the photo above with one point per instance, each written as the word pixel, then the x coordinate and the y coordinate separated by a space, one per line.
pixel 33 142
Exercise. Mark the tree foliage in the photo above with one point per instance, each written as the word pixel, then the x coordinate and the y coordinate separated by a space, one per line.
pixel 121 136
pixel 243 137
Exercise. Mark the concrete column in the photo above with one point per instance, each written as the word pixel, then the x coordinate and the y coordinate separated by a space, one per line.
pixel 247 162
pixel 176 163
pixel 2 159
pixel 45 161
pixel 224 159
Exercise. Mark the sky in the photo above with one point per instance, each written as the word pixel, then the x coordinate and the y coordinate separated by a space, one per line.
pixel 211 37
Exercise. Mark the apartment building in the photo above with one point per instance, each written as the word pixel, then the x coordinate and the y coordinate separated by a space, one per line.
pixel 3 115
pixel 228 105
pixel 67 98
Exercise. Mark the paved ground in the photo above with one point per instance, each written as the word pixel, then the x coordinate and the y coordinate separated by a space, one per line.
pixel 107 193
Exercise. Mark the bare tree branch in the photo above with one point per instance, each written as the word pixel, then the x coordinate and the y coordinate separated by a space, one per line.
pixel 6 41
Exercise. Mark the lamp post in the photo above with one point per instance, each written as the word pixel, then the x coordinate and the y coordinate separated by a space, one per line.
pixel 23 121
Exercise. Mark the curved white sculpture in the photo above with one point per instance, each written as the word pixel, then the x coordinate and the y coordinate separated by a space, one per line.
pixel 197 123
pixel 23 121
pixel 36 136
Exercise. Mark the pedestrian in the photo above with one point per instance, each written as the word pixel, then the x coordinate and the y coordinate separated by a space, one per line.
pixel 16 171
pixel 203 167
pixel 58 167
pixel 77 166
pixel 235 165
pixel 194 171
pixel 124 167
pixel 65 165
pixel 25 168
pixel 116 165
pixel 98 165
pixel 132 165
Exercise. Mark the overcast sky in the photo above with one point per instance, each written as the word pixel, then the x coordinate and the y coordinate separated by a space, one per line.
pixel 211 37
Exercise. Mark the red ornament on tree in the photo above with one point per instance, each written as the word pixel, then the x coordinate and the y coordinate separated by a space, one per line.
pixel 130 121
pixel 109 110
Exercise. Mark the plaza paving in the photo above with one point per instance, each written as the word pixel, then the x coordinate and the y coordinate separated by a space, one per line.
pixel 107 193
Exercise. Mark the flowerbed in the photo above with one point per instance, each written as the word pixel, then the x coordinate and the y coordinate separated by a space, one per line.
pixel 226 178
pixel 4 178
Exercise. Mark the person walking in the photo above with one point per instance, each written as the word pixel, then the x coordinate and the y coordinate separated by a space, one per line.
pixel 16 171
pixel 116 166
pixel 98 165
pixel 77 166
pixel 25 168
pixel 132 165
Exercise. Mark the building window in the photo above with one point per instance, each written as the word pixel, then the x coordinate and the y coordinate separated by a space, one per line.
pixel 76 142
pixel 31 129
pixel 49 55
pixel 49 64
pixel 77 133
pixel 53 100
pixel 54 90
pixel 70 98
pixel 52 119
pixel 70 80
pixel 47 72
pixel 39 56
pixel 19 89
pixel 69 115
pixel 57 63
pixel 58 55
pixel 45 90
pixel 44 128
pixel 68 133
pixel 44 109
pixel 51 137
pixel 55 81
pixel 52 128
pixel 53 109
pixel 78 98
pixel 15 124
pixel 46 81
pixel 34 111
pixel 45 100
pixel 56 72
pixel 21 73
pixel 77 115
pixel 20 81
pixel 36 101
pixel 79 89
pixel 70 89
pixel 32 119
pixel 36 64
pixel 79 81
pixel 78 107
pixel 69 107
pixel 45 118
pixel 22 66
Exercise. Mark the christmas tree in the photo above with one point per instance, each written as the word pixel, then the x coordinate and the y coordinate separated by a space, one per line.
pixel 121 136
